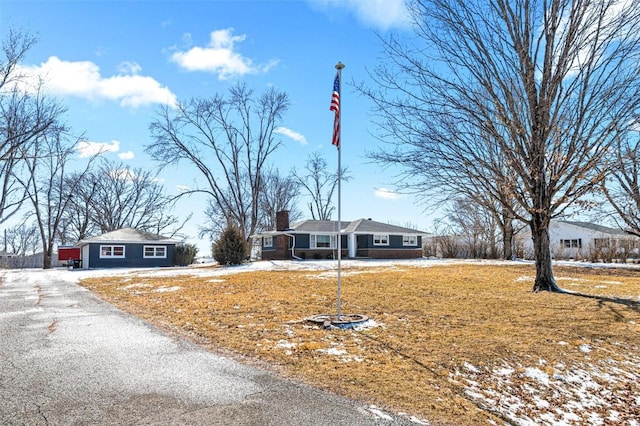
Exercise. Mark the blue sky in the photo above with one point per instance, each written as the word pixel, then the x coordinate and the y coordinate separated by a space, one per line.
pixel 113 63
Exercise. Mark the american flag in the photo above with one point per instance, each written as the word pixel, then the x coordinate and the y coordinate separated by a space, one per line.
pixel 335 106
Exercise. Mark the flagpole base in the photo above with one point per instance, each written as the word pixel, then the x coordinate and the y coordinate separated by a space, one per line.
pixel 344 321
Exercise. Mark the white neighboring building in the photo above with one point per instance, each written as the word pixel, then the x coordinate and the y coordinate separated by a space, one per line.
pixel 587 241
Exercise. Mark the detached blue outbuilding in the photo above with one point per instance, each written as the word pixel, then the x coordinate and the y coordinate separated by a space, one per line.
pixel 127 248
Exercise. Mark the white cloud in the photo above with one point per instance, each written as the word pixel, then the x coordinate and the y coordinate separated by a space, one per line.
pixel 88 148
pixel 128 155
pixel 291 134
pixel 83 79
pixel 220 57
pixel 382 14
pixel 387 194
pixel 128 67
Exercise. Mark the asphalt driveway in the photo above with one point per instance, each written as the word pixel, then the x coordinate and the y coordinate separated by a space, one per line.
pixel 68 358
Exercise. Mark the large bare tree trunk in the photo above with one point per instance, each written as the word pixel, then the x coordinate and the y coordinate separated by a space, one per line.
pixel 541 245
pixel 47 262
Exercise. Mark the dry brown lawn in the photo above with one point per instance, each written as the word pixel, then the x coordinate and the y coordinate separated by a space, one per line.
pixel 458 344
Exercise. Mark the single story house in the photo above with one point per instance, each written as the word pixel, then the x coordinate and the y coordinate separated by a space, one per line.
pixel 126 248
pixel 317 239
pixel 585 240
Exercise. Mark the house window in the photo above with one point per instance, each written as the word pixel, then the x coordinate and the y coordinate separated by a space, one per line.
pixel 323 241
pixel 267 242
pixel 409 240
pixel 155 251
pixel 380 240
pixel 576 243
pixel 109 252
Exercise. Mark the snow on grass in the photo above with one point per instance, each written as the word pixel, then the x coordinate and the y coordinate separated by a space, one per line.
pixel 164 289
pixel 135 286
pixel 593 394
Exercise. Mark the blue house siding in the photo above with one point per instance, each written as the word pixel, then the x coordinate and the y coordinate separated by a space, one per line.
pixel 303 241
pixel 133 256
pixel 357 239
pixel 395 242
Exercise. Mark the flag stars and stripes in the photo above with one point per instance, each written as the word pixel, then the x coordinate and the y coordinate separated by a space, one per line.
pixel 335 106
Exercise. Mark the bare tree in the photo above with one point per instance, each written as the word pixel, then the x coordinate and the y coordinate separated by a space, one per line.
pixel 622 188
pixel 78 221
pixel 521 99
pixel 320 184
pixel 114 196
pixel 22 239
pixel 476 226
pixel 229 141
pixel 125 197
pixel 25 115
pixel 48 162
pixel 279 193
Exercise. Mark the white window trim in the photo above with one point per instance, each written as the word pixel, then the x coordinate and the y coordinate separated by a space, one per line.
pixel 413 240
pixel 313 241
pixel 267 242
pixel 155 251
pixel 381 237
pixel 112 256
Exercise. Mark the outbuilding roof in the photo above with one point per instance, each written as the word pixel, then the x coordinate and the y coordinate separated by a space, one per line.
pixel 128 235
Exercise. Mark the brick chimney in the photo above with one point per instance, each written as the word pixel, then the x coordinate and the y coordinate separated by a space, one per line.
pixel 282 220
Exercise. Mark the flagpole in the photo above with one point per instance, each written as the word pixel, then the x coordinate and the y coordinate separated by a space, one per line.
pixel 339 67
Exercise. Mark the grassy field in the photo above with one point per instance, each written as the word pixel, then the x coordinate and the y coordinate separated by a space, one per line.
pixel 458 344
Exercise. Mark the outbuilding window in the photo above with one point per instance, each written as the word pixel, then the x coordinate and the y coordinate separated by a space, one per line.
pixel 267 242
pixel 409 240
pixel 380 239
pixel 155 252
pixel 110 252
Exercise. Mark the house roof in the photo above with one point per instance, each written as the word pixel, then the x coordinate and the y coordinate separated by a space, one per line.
pixel 595 227
pixel 360 226
pixel 128 235
pixel 368 226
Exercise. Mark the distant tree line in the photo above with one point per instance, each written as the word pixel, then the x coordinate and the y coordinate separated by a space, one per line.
pixel 230 140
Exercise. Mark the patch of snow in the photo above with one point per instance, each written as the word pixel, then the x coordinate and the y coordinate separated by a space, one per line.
pixel 167 289
pixel 585 348
pixel 365 325
pixel 379 413
pixel 333 351
pixel 471 367
pixel 525 278
pixel 285 344
pixel 417 421
pixel 505 371
pixel 135 286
